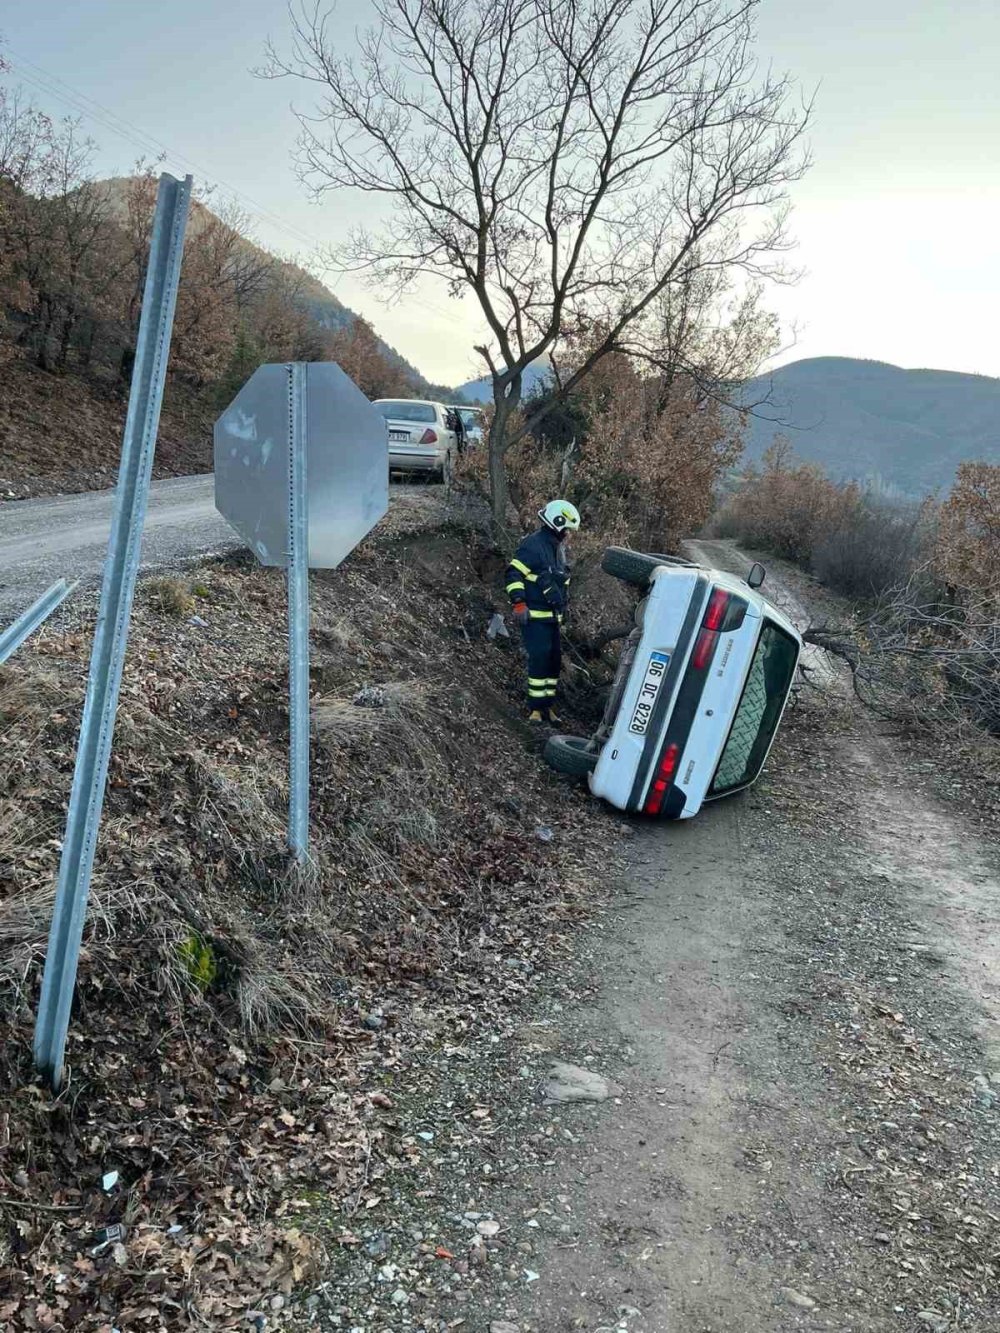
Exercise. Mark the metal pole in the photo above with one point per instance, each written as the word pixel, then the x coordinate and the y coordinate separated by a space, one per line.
pixel 108 656
pixel 28 621
pixel 298 616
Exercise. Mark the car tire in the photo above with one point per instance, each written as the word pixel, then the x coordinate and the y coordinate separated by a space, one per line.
pixel 673 560
pixel 569 755
pixel 630 566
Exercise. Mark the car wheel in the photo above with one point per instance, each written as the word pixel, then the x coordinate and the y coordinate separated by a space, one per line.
pixel 673 560
pixel 630 566
pixel 569 754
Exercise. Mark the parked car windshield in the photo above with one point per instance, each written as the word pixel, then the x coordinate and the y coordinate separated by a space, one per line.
pixel 759 709
pixel 407 411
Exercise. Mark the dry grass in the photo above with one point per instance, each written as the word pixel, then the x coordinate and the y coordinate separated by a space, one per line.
pixel 29 697
pixel 403 706
pixel 170 595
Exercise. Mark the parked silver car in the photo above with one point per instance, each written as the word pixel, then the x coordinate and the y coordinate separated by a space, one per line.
pixel 420 438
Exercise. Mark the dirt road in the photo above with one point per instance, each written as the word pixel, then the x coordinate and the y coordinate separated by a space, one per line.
pixel 66 536
pixel 796 997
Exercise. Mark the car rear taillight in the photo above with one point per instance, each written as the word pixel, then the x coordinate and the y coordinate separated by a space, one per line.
pixel 716 612
pixel 429 436
pixel 664 776
pixel 723 613
pixel 703 647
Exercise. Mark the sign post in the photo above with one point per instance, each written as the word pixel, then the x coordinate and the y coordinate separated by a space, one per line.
pixel 302 474
pixel 298 620
pixel 107 658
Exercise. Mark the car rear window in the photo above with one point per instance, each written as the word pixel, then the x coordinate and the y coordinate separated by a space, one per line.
pixel 405 411
pixel 759 709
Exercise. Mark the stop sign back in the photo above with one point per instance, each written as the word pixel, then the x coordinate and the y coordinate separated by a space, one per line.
pixel 347 463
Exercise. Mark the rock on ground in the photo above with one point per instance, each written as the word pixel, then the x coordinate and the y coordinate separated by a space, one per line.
pixel 570 1083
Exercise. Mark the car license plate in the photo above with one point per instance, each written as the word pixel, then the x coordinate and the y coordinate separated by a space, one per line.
pixel 401 435
pixel 656 669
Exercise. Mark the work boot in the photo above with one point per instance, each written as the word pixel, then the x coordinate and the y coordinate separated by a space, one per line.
pixel 554 718
pixel 536 716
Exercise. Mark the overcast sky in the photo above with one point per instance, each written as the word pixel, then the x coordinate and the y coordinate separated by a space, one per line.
pixel 897 221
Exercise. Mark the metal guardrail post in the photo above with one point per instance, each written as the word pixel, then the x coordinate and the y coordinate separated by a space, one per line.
pixel 298 616
pixel 28 621
pixel 108 656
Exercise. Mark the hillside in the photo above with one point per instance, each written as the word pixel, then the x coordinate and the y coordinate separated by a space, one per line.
pixel 70 297
pixel 328 310
pixel 481 390
pixel 871 421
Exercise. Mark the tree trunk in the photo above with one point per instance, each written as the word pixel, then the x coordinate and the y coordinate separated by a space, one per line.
pixel 88 345
pixel 125 364
pixel 69 323
pixel 505 406
pixel 42 360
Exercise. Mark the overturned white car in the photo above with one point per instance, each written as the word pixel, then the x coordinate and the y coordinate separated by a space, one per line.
pixel 700 689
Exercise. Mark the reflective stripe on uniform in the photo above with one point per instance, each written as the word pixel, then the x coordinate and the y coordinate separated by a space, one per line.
pixel 517 586
pixel 542 615
pixel 539 682
pixel 524 569
pixel 538 694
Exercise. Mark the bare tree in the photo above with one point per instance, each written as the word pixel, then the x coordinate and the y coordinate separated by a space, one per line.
pixel 924 657
pixel 565 161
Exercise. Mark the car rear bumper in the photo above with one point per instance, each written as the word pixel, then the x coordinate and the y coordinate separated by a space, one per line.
pixel 415 460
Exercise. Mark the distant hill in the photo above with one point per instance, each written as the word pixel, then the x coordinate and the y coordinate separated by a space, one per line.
pixel 873 422
pixel 481 391
pixel 328 311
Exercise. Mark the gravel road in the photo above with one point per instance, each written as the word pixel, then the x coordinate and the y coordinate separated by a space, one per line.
pixel 66 537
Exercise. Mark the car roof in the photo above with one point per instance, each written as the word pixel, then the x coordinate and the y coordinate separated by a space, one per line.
pixel 425 402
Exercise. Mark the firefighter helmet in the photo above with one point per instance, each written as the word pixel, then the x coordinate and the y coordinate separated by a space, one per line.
pixel 560 516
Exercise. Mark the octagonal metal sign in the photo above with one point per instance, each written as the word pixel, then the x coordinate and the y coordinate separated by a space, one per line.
pixel 346 455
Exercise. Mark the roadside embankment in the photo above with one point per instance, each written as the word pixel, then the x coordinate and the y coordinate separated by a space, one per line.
pixel 235 1018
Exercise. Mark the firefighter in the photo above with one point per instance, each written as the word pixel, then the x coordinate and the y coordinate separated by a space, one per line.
pixel 537 584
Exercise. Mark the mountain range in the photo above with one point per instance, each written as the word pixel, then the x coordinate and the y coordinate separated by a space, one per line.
pixel 900 431
pixel 869 421
pixel 481 391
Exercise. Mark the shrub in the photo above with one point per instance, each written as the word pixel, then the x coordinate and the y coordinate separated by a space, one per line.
pixel 873 548
pixel 788 508
pixel 170 595
pixel 640 457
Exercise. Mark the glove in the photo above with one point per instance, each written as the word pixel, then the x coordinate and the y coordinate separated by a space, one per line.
pixel 521 616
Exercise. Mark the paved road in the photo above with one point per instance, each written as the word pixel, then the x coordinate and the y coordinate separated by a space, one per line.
pixel 42 540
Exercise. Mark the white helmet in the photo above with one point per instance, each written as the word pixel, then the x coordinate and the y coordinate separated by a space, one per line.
pixel 560 516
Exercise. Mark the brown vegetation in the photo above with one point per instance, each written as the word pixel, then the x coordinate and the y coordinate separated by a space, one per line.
pixel 73 254
pixel 926 644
